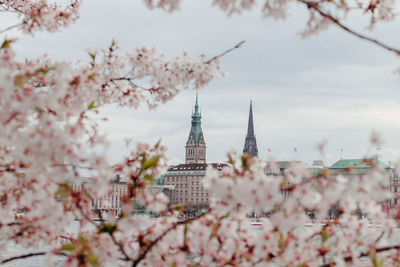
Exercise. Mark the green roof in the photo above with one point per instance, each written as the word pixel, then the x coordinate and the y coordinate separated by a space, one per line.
pixel 359 164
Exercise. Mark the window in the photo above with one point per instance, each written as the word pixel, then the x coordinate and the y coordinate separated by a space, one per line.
pixel 173 179
pixel 167 179
pixel 395 201
pixel 395 189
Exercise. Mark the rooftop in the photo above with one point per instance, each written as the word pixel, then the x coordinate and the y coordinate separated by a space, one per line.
pixel 359 164
pixel 196 166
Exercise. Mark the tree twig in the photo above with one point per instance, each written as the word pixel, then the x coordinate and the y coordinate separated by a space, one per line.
pixel 379 238
pixel 121 247
pixel 314 6
pixel 10 28
pixel 35 254
pixel 365 254
pixel 155 241
pixel 238 45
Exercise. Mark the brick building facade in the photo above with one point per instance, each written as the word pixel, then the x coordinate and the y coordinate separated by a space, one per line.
pixel 186 178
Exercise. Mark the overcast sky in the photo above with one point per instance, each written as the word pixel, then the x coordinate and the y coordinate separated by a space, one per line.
pixel 331 86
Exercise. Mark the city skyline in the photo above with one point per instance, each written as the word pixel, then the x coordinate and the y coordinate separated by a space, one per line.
pixel 294 151
pixel 331 86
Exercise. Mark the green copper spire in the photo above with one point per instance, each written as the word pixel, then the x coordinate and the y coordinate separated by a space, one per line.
pixel 196 121
pixel 195 145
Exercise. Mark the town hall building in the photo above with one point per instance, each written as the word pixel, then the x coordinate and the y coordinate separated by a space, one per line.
pixel 186 178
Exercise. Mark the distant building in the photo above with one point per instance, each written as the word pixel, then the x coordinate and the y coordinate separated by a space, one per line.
pixel 357 166
pixel 395 190
pixel 316 167
pixel 110 203
pixel 250 143
pixel 361 167
pixel 186 179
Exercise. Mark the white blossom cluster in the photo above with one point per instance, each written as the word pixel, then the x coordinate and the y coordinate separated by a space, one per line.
pixel 49 139
pixel 42 14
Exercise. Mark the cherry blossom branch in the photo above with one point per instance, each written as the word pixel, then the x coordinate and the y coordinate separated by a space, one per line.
pixel 121 247
pixel 238 45
pixel 155 241
pixel 130 80
pixel 379 238
pixel 314 6
pixel 127 258
pixel 23 257
pixel 10 27
pixel 365 254
pixel 28 256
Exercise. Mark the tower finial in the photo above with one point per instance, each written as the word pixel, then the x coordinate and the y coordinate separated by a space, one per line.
pixel 196 106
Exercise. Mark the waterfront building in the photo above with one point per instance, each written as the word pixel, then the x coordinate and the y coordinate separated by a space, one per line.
pixel 357 166
pixel 111 203
pixel 395 191
pixel 186 179
pixel 250 143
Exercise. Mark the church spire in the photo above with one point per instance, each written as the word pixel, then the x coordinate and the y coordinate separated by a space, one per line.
pixel 250 126
pixel 250 143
